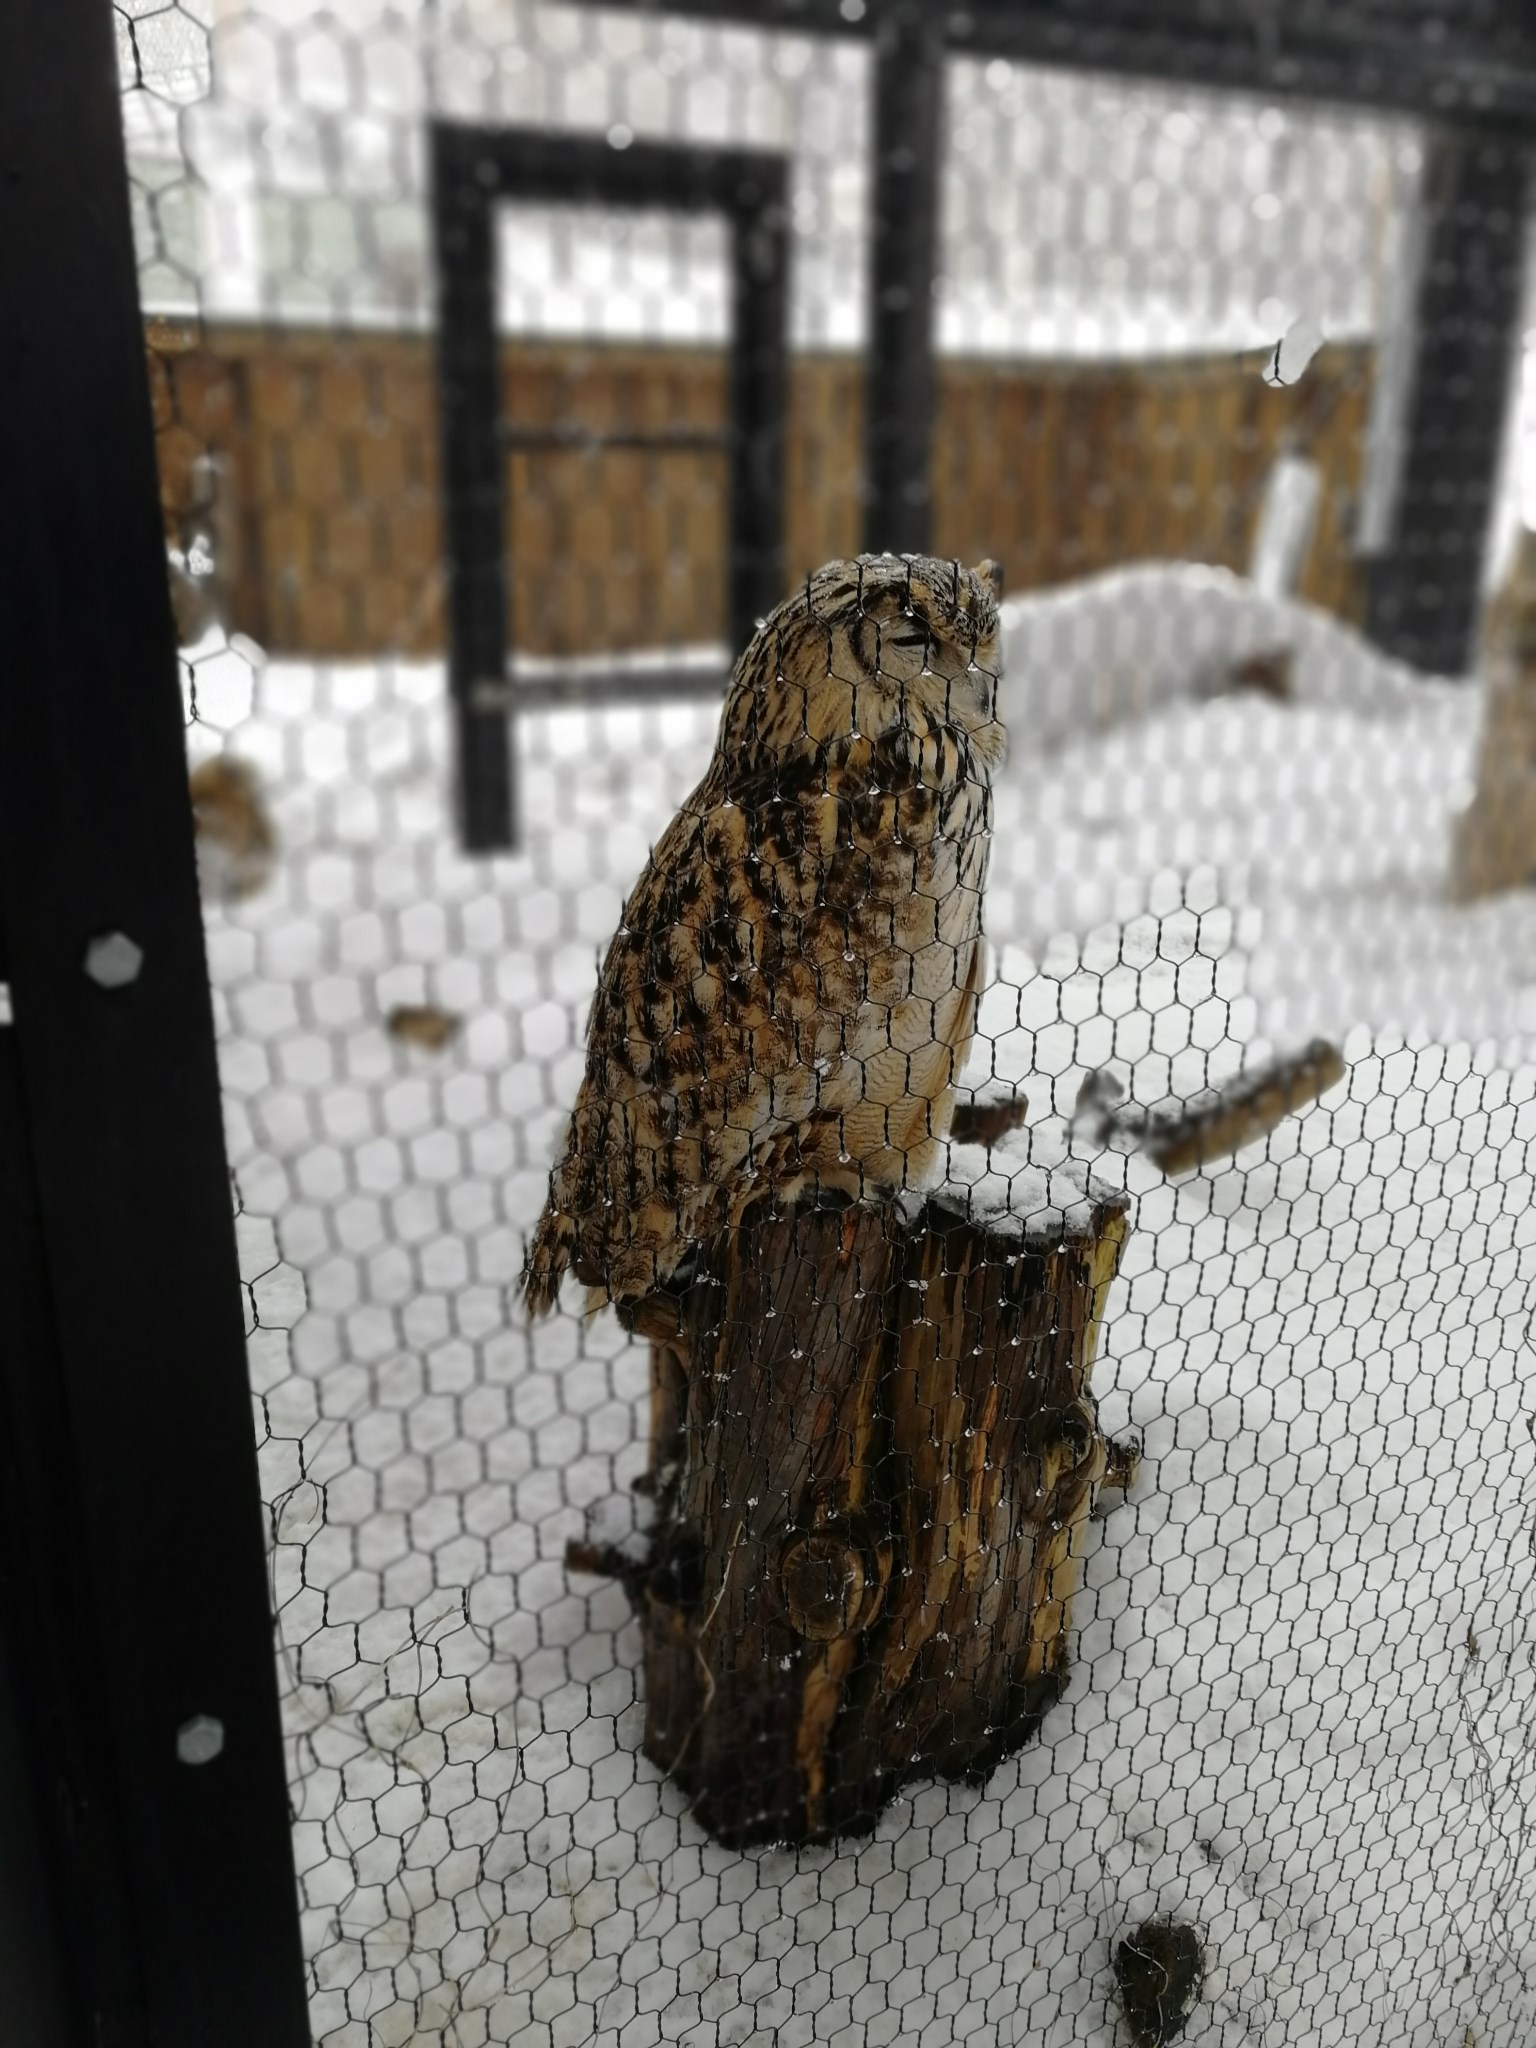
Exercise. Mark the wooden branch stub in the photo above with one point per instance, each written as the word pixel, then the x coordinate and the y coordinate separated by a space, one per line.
pixel 1268 674
pixel 988 1117
pixel 874 1452
pixel 830 1584
pixel 657 1316
pixel 1122 1465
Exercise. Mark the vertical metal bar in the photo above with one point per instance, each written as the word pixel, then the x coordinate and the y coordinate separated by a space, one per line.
pixel 126 1399
pixel 899 386
pixel 1381 459
pixel 68 1945
pixel 33 1967
pixel 759 399
pixel 1424 591
pixel 473 168
pixel 469 404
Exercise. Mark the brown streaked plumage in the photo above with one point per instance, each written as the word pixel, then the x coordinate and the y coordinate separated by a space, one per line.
pixel 792 991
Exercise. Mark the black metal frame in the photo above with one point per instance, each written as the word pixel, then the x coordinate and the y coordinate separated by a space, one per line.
pixel 1477 87
pixel 143 1898
pixel 904 233
pixel 1484 77
pixel 1423 592
pixel 475 170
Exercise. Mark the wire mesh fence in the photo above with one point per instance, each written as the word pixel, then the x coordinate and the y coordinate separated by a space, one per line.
pixel 1082 1587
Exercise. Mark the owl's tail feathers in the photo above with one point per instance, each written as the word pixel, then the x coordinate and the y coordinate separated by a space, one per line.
pixel 549 1254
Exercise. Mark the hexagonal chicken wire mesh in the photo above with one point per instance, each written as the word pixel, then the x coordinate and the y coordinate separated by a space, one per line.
pixel 1256 997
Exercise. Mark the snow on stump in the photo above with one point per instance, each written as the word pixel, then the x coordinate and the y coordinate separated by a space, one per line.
pixel 874 1452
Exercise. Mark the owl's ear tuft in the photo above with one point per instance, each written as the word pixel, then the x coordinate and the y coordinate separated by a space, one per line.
pixel 991 574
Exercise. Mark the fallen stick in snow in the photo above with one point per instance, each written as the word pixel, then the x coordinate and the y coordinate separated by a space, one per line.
pixel 423 1024
pixel 1222 1121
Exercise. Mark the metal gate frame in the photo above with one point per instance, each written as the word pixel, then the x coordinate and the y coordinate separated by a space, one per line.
pixel 1476 93
pixel 476 169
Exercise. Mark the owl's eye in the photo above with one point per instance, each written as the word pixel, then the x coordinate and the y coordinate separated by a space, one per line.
pixel 887 643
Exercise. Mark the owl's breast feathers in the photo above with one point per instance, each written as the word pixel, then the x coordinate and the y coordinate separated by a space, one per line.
pixel 789 996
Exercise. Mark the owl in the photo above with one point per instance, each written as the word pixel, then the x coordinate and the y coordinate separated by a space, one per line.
pixel 791 994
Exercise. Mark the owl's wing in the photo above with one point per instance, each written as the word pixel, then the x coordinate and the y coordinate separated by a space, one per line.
pixel 694 1023
pixel 745 1010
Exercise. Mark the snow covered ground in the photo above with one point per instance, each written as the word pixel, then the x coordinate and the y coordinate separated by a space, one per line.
pixel 1303 1668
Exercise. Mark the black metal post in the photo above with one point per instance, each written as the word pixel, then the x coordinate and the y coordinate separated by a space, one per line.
pixel 759 398
pixel 1424 591
pixel 135 1630
pixel 474 519
pixel 68 1942
pixel 899 385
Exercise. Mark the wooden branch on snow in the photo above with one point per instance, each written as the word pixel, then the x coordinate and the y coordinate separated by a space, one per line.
pixel 874 1451
pixel 1223 1121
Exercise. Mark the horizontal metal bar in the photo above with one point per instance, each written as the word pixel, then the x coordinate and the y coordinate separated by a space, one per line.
pixel 1478 76
pixel 564 684
pixel 546 166
pixel 611 686
pixel 686 440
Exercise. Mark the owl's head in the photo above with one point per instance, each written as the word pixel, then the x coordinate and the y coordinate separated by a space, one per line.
pixel 868 643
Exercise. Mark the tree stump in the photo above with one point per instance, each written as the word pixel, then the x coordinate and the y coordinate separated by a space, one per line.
pixel 874 1451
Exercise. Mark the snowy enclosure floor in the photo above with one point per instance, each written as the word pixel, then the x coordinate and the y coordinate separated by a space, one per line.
pixel 1302 1673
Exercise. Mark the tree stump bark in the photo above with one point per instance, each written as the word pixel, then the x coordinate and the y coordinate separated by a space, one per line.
pixel 874 1451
